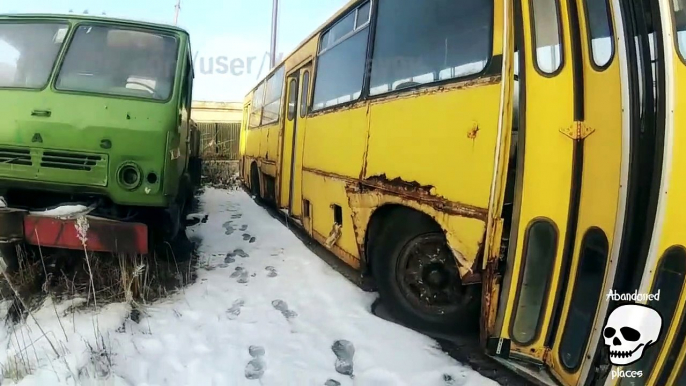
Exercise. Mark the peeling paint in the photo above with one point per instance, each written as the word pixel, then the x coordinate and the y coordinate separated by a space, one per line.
pixel 368 195
pixel 473 83
pixel 473 132
pixel 425 194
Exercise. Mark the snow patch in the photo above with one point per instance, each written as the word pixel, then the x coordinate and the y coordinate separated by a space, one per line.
pixel 308 325
pixel 62 211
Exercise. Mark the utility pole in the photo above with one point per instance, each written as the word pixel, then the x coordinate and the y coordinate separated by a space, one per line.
pixel 178 8
pixel 275 22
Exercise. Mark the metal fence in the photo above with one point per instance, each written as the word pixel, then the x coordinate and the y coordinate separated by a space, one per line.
pixel 219 140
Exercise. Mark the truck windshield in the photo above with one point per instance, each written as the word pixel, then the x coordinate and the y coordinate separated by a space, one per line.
pixel 28 52
pixel 118 61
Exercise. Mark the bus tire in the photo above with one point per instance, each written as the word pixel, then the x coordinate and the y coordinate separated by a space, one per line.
pixel 406 243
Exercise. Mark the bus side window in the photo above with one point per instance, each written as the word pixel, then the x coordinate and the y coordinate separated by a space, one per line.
pixel 341 61
pixel 418 42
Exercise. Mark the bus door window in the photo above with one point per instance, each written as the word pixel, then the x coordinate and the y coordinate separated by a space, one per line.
pixel 680 22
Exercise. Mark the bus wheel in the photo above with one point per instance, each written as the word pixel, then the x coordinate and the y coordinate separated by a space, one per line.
pixel 416 274
pixel 255 182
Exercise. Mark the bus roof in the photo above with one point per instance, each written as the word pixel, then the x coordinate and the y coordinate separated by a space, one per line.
pixel 335 16
pixel 129 22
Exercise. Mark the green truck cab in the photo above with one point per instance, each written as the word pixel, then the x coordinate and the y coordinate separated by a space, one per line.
pixel 97 110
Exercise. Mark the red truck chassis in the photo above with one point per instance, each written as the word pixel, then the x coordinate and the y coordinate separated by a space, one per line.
pixel 101 235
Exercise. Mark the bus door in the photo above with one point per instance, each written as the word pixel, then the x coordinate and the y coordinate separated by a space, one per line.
pixel 292 92
pixel 570 158
pixel 664 269
pixel 298 86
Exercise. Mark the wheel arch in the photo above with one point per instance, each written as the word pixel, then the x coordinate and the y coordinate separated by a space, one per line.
pixel 392 212
pixel 464 235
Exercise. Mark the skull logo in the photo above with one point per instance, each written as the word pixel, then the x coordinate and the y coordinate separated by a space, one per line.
pixel 630 329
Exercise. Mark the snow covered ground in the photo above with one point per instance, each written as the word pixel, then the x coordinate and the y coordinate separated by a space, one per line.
pixel 263 311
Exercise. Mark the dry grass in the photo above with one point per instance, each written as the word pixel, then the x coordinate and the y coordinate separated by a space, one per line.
pixel 15 368
pixel 101 279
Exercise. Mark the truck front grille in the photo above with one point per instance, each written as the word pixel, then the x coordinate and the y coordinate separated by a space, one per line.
pixel 15 156
pixel 69 161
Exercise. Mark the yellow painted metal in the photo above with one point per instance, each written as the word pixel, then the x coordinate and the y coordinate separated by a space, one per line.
pixel 670 221
pixel 674 194
pixel 286 159
pixel 299 148
pixel 442 136
pixel 494 226
pixel 601 131
pixel 243 137
pixel 547 172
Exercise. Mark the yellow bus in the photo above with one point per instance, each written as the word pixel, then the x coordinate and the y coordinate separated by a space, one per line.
pixel 514 165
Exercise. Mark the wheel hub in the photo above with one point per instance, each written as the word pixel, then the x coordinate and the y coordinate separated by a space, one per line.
pixel 428 277
pixel 436 276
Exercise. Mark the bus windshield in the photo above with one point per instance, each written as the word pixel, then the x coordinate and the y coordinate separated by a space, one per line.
pixel 28 52
pixel 117 61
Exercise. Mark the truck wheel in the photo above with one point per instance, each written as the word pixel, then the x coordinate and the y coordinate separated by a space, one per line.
pixel 195 169
pixel 417 277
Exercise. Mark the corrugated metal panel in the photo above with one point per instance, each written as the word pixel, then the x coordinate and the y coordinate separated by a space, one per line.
pixel 220 140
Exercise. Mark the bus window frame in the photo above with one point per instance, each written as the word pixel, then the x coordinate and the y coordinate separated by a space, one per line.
pixel 281 98
pixel 306 82
pixel 356 29
pixel 491 68
pixel 589 38
pixel 549 290
pixel 560 32
pixel 263 82
pixel 485 71
pixel 675 32
pixel 292 90
pixel 178 73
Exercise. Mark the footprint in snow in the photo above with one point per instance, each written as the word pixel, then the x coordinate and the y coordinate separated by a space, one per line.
pixel 255 368
pixel 244 227
pixel 282 306
pixel 236 216
pixel 256 351
pixel 235 310
pixel 241 274
pixel 332 382
pixel 249 238
pixel 344 351
pixel 449 380
pixel 230 257
pixel 272 271
pixel 228 228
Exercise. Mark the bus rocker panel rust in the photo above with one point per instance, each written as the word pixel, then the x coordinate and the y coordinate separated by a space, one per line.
pixel 88 233
pixel 368 195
